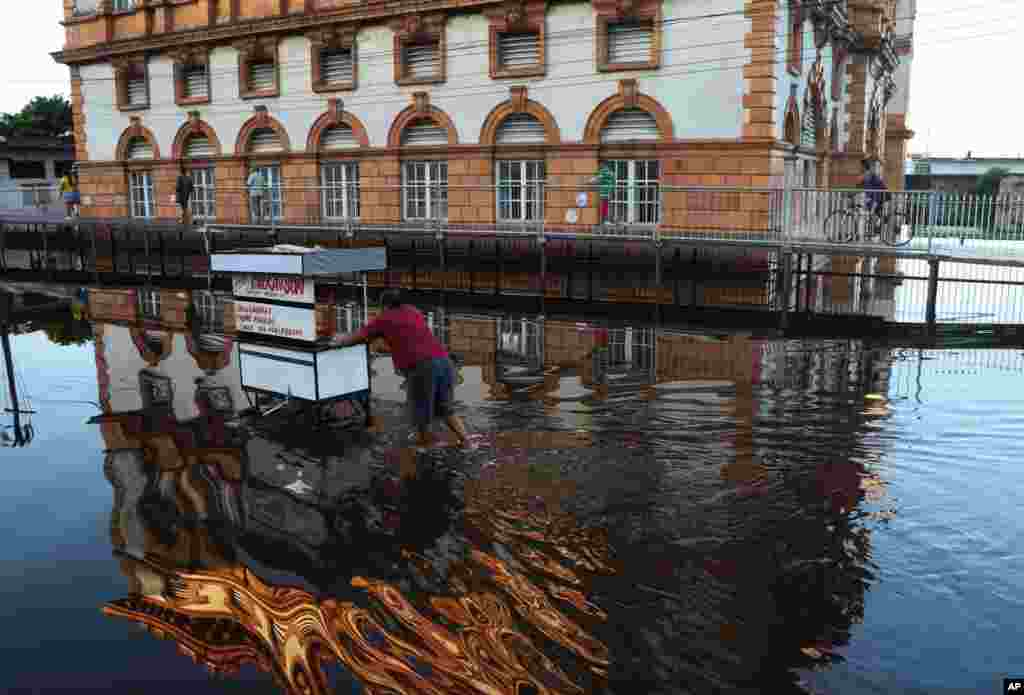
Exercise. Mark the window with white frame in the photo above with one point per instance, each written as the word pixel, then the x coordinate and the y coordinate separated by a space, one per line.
pixel 119 5
pixel 204 194
pixel 272 179
pixel 141 194
pixel 520 191
pixel 340 181
pixel 425 190
pixel 636 198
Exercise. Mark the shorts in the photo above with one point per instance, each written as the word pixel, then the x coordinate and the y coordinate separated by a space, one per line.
pixel 431 386
pixel 71 198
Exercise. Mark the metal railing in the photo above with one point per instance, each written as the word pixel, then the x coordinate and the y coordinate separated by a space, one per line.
pixel 913 221
pixel 37 197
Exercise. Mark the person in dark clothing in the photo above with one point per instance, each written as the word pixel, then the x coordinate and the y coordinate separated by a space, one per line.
pixel 183 194
pixel 419 356
pixel 874 185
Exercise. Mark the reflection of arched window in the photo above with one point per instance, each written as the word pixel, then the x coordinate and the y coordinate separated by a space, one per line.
pixel 149 303
pixel 156 389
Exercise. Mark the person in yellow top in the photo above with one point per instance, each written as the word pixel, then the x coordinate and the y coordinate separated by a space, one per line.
pixel 69 191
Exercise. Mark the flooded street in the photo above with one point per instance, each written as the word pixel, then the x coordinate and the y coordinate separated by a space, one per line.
pixel 683 513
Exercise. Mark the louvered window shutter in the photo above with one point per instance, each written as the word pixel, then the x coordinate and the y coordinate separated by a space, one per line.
pixel 199 147
pixel 336 66
pixel 265 140
pixel 261 76
pixel 630 124
pixel 339 137
pixel 520 129
pixel 139 148
pixel 423 134
pixel 137 94
pixel 519 50
pixel 196 84
pixel 630 43
pixel 422 60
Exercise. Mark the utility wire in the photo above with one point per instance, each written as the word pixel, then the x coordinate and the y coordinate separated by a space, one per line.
pixel 560 83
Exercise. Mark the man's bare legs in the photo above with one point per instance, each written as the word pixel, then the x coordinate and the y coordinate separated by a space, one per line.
pixel 456 425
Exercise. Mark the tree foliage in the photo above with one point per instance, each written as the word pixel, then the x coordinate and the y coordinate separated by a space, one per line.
pixel 43 116
pixel 68 331
pixel 988 183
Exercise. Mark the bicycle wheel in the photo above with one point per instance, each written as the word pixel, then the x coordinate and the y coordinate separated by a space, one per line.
pixel 840 227
pixel 895 230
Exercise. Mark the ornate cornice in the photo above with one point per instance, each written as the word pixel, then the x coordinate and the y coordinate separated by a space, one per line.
pixel 369 11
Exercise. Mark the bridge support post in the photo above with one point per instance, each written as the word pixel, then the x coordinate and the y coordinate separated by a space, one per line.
pixel 933 293
pixel 785 284
pixel 658 279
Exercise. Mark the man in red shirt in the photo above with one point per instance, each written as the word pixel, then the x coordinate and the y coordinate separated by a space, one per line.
pixel 418 355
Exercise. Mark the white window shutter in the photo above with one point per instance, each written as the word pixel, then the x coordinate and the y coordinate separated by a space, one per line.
pixel 519 50
pixel 340 137
pixel 336 65
pixel 520 129
pixel 199 147
pixel 423 60
pixel 196 84
pixel 630 43
pixel 629 125
pixel 261 76
pixel 424 134
pixel 137 95
pixel 265 140
pixel 139 148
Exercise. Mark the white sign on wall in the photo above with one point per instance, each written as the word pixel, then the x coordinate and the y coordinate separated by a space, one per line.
pixel 283 288
pixel 582 200
pixel 297 323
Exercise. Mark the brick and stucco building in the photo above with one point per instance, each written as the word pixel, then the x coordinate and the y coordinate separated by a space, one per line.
pixel 457 109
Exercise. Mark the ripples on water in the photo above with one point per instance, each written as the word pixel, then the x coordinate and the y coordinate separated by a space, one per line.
pixel 706 527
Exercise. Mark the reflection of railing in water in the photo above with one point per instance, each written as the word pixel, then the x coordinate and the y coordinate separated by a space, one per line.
pixel 481 633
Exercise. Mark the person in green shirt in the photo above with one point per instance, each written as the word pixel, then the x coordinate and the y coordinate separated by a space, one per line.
pixel 605 181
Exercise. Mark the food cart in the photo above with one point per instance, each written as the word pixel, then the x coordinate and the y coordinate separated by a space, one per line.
pixel 281 354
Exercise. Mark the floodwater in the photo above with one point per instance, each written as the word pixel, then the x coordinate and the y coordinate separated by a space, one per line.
pixel 727 515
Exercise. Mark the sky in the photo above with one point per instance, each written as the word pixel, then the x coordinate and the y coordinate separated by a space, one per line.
pixel 964 94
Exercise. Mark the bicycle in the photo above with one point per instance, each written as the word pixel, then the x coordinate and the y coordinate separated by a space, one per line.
pixel 884 221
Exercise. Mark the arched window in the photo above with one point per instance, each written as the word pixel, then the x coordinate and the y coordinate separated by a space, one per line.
pixel 265 141
pixel 423 133
pixel 520 129
pixel 339 137
pixel 630 125
pixel 140 148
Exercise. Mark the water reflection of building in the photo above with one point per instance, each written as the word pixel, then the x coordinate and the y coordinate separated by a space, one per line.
pixel 193 496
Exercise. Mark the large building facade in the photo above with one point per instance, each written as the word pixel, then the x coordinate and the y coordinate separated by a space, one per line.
pixel 480 111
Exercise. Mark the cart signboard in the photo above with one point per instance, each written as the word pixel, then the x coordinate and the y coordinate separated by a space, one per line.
pixel 279 321
pixel 281 288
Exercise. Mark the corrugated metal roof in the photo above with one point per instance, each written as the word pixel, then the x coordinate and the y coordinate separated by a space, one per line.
pixel 969 167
